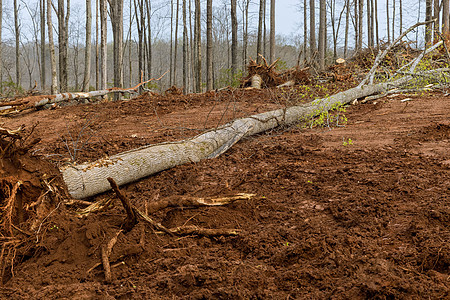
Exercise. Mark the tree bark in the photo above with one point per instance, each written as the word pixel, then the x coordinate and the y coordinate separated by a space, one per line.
pixel 437 10
pixel 272 32
pixel 176 45
pixel 233 38
pixel 116 13
pixel 103 50
pixel 87 50
pixel 54 86
pixel 445 16
pixel 17 39
pixel 388 23
pixel 63 37
pixel 428 17
pixel 260 29
pixel 322 34
pixel 209 69
pixel 312 30
pixel 347 21
pixel 198 53
pixel 42 28
pixel 185 49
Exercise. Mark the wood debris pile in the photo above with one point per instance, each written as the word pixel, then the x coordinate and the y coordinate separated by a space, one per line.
pixel 270 77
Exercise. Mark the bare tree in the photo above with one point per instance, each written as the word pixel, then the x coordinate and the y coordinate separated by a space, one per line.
pixel 322 33
pixel 97 71
pixel 87 50
pixel 245 32
pixel 312 30
pixel 387 23
pixel 445 16
pixel 428 16
pixel 116 13
pixel 233 38
pixel 185 48
pixel 42 29
pixel 63 14
pixel 260 29
pixel 103 53
pixel 347 21
pixel 437 10
pixel 272 31
pixel 209 68
pixel 54 85
pixel 17 35
pixel 176 45
pixel 198 55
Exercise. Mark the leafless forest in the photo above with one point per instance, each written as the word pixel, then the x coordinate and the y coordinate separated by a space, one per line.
pixel 63 45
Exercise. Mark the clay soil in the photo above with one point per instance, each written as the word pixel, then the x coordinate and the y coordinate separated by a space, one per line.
pixel 353 212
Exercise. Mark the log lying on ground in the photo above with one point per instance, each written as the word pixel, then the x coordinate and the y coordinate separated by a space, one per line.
pixel 42 100
pixel 88 179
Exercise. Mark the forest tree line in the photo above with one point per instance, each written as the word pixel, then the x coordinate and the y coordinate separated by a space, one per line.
pixel 96 44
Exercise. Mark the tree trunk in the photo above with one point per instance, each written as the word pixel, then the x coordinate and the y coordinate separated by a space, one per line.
pixel 428 16
pixel 272 31
pixel 233 39
pixel 149 38
pixel 260 29
pixel 445 16
pixel 393 19
pixel 88 179
pixel 42 28
pixel 376 24
pixel 116 13
pixel 388 22
pixel 17 39
pixel 103 50
pixel 87 50
pixel 245 34
pixel 185 49
pixel 347 21
pixel 400 2
pixel 198 53
pixel 209 69
pixel 97 71
pixel 54 86
pixel 322 35
pixel 437 10
pixel 171 45
pixel 176 45
pixel 305 29
pixel 63 37
pixel 312 31
pixel 360 24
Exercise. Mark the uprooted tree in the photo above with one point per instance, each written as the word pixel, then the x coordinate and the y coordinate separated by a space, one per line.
pixel 88 179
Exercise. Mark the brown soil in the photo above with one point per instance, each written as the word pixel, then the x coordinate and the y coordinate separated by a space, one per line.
pixel 370 219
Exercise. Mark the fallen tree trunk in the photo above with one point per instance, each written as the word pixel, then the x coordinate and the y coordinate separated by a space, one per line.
pixel 89 179
pixel 42 100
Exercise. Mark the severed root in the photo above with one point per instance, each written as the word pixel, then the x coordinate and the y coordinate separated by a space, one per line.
pixel 106 252
pixel 196 202
pixel 92 207
pixel 152 222
pixel 194 230
pixel 131 220
pixel 9 207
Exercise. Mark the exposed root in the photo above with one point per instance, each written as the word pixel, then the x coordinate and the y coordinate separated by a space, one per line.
pixel 130 221
pixel 194 230
pixel 195 202
pixel 9 208
pixel 106 252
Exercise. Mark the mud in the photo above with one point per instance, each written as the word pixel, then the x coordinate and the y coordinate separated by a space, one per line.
pixel 353 212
